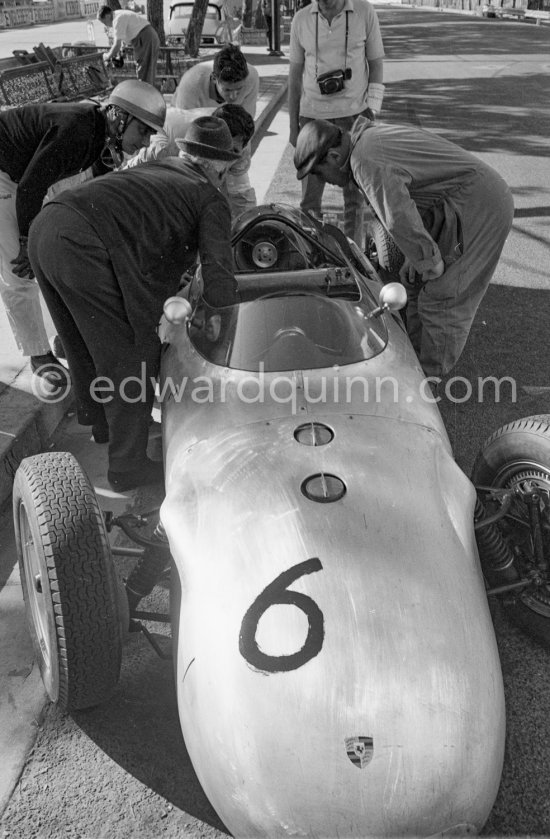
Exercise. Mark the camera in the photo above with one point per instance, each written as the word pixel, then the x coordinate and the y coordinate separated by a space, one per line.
pixel 333 81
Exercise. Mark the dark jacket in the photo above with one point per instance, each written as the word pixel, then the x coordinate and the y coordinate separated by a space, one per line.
pixel 153 220
pixel 41 144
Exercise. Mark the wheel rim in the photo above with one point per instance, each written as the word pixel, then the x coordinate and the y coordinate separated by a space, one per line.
pixel 371 251
pixel 516 475
pixel 40 608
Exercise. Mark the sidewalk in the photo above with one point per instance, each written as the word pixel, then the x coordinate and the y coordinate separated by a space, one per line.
pixel 28 422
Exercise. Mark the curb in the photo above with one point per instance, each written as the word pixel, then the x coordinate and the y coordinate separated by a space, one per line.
pixel 264 118
pixel 27 425
pixel 23 720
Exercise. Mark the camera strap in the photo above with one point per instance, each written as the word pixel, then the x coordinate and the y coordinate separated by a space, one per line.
pixel 317 44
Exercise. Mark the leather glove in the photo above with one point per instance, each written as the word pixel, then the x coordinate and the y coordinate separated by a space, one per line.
pixel 21 264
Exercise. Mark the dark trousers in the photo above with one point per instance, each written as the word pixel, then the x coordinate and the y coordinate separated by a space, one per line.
pixel 269 31
pixel 440 312
pixel 77 280
pixel 146 49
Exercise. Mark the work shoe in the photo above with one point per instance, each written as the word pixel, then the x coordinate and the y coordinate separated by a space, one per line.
pixel 100 431
pixel 151 472
pixel 58 348
pixel 48 368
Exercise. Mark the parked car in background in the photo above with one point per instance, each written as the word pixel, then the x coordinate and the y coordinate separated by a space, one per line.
pixel 498 9
pixel 219 25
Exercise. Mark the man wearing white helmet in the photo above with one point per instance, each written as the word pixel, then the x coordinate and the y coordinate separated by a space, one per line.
pixel 41 145
pixel 107 255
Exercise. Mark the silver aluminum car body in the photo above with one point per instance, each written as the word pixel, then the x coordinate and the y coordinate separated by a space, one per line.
pixel 336 666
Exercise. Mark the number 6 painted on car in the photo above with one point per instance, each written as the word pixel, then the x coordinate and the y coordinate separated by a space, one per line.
pixel 277 592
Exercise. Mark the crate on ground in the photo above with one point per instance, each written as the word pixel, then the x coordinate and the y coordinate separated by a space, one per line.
pixel 28 84
pixel 171 65
pixel 44 53
pixel 24 57
pixel 82 75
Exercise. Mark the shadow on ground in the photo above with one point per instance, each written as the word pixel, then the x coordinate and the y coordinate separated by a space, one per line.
pixel 504 372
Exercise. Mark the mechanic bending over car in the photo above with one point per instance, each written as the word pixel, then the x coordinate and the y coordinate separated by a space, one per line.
pixel 447 211
pixel 41 145
pixel 227 79
pixel 107 255
pixel 240 194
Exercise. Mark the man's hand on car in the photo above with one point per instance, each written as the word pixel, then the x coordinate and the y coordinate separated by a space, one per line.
pixel 410 276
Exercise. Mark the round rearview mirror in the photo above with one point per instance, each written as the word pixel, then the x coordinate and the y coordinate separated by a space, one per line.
pixel 393 297
pixel 177 310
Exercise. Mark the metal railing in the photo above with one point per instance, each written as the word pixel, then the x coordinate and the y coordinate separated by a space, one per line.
pixel 26 15
pixel 12 16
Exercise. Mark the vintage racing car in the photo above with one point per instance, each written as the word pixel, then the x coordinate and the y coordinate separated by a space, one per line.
pixel 335 661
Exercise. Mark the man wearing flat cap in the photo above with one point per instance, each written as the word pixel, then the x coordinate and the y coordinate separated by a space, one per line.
pixel 107 255
pixel 447 211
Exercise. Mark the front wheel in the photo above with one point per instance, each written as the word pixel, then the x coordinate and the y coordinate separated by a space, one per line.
pixel 382 251
pixel 68 579
pixel 517 457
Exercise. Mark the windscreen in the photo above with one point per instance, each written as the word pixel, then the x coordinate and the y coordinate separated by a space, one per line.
pixel 303 303
pixel 296 331
pixel 186 9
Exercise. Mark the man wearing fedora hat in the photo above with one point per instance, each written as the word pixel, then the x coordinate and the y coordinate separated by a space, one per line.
pixel 107 255
pixel 228 79
pixel 237 188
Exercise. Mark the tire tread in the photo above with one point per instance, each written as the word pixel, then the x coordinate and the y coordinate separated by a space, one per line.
pixel 81 576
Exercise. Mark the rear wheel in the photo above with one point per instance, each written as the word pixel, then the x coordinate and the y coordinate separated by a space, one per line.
pixel 68 579
pixel 517 456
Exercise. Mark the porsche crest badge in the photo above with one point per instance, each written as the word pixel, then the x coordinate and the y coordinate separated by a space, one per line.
pixel 360 750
